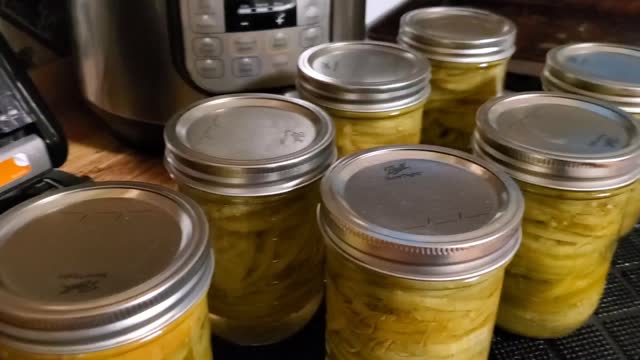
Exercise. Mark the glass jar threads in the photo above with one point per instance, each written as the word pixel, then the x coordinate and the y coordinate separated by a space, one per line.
pixel 468 50
pixel 102 272
pixel 575 159
pixel 252 161
pixel 374 91
pixel 607 72
pixel 418 238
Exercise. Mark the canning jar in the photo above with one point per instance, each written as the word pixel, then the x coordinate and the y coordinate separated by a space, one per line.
pixel 575 159
pixel 375 92
pixel 607 72
pixel 418 238
pixel 469 50
pixel 252 161
pixel 110 271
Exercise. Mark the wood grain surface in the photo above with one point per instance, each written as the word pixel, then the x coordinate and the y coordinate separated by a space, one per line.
pixel 93 151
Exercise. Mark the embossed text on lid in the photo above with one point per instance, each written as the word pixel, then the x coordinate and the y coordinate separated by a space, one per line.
pixel 421 212
pixel 563 141
pixel 99 266
pixel 249 144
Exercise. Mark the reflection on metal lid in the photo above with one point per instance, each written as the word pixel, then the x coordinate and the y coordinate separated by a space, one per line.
pixel 608 72
pixel 99 266
pixel 251 144
pixel 363 76
pixel 458 34
pixel 422 212
pixel 561 141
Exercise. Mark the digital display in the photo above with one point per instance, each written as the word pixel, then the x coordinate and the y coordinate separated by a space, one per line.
pixel 255 15
pixel 262 6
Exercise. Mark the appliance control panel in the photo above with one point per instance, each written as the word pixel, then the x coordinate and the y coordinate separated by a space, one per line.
pixel 244 45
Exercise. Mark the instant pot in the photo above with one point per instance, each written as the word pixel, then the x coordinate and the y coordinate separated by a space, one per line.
pixel 142 61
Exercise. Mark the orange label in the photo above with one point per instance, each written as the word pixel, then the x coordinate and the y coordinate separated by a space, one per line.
pixel 14 168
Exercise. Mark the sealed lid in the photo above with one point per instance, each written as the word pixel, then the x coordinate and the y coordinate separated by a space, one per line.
pixel 458 34
pixel 95 267
pixel 560 141
pixel 421 212
pixel 250 144
pixel 607 72
pixel 363 76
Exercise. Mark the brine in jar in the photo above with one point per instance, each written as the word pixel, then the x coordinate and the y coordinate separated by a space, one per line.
pixel 417 270
pixel 575 160
pixel 374 91
pixel 556 280
pixel 252 162
pixel 109 271
pixel 469 50
pixel 608 72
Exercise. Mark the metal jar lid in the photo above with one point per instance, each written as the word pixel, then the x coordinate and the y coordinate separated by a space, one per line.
pixel 458 34
pixel 560 141
pixel 249 144
pixel 421 212
pixel 96 267
pixel 363 76
pixel 607 72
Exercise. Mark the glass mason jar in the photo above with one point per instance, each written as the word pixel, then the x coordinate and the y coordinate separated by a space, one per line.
pixel 608 72
pixel 575 159
pixel 374 91
pixel 108 271
pixel 469 50
pixel 252 162
pixel 415 271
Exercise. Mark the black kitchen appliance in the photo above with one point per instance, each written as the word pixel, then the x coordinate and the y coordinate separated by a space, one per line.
pixel 32 144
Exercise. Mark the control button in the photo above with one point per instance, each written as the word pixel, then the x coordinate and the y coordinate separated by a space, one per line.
pixel 311 37
pixel 245 44
pixel 207 47
pixel 279 41
pixel 203 6
pixel 204 24
pixel 312 14
pixel 246 67
pixel 210 69
pixel 281 61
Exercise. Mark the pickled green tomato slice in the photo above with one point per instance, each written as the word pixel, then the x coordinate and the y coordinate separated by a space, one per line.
pixel 556 280
pixel 269 256
pixel 633 210
pixel 374 316
pixel 361 131
pixel 457 91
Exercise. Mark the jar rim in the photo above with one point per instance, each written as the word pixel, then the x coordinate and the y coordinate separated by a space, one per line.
pixel 122 316
pixel 438 249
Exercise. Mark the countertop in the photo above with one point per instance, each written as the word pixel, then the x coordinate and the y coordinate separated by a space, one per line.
pixel 93 150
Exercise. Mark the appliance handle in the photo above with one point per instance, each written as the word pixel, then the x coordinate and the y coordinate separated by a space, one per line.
pixel 348 20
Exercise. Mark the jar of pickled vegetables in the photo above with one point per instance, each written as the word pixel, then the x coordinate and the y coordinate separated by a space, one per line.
pixel 468 50
pixel 607 72
pixel 575 159
pixel 252 161
pixel 374 91
pixel 111 271
pixel 418 239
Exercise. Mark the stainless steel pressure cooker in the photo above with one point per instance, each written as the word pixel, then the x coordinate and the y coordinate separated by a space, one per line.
pixel 141 61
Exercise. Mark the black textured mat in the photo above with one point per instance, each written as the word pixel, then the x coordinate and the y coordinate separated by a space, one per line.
pixel 613 333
